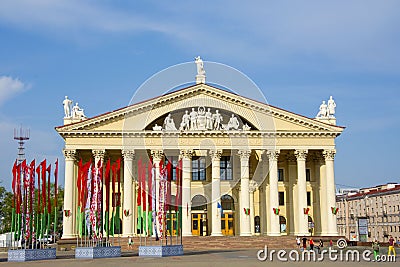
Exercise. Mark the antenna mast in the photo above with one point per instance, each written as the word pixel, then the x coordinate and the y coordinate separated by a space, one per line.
pixel 21 136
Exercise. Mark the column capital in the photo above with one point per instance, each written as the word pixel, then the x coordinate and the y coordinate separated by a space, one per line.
pixel 244 154
pixel 215 154
pixel 301 154
pixel 186 153
pixel 253 185
pixel 157 154
pixel 273 154
pixel 329 154
pixel 99 153
pixel 69 154
pixel 128 154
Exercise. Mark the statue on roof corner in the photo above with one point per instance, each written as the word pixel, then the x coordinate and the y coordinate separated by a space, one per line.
pixel 67 107
pixel 327 110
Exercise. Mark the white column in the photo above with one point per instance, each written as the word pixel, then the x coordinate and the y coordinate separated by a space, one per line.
pixel 323 210
pixel 127 221
pixel 69 195
pixel 244 192
pixel 186 156
pixel 157 156
pixel 215 192
pixel 302 219
pixel 329 155
pixel 252 187
pixel 273 156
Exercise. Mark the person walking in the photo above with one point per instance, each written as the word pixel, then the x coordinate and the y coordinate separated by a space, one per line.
pixel 304 239
pixel 375 248
pixel 391 246
pixel 298 242
pixel 130 242
pixel 311 244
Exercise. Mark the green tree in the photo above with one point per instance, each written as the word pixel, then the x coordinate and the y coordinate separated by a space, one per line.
pixel 6 199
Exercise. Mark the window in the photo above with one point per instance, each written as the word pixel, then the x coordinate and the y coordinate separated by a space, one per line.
pixel 227 202
pixel 281 178
pixel 281 196
pixel 226 168
pixel 308 175
pixel 308 198
pixel 174 162
pixel 199 169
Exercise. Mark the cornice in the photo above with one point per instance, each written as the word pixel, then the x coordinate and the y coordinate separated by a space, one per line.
pixel 207 90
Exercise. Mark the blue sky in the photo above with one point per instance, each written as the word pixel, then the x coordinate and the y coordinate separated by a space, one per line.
pixel 297 52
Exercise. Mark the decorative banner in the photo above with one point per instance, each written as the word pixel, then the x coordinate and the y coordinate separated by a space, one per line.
pixel 67 213
pixel 246 211
pixel 306 211
pixel 126 213
pixel 276 211
pixel 334 210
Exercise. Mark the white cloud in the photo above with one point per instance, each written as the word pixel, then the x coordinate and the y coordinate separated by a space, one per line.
pixel 9 87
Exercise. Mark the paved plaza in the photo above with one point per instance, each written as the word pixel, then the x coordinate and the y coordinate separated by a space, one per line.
pixel 224 258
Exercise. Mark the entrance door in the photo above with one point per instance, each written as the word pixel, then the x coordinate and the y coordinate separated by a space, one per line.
pixel 197 224
pixel 171 223
pixel 227 223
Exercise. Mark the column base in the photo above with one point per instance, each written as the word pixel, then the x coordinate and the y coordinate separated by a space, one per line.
pixel 245 234
pixel 128 234
pixel 274 234
pixel 69 236
pixel 332 234
pixel 187 234
pixel 303 234
pixel 216 234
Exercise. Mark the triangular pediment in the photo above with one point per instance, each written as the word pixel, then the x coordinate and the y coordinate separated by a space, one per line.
pixel 142 116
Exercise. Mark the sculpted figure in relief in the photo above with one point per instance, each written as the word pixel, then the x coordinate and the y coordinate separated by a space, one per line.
pixel 193 120
pixel 185 124
pixel 233 123
pixel 209 119
pixel 217 118
pixel 169 123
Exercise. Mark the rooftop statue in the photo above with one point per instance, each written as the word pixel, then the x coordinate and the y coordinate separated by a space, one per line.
pixel 200 66
pixel 77 112
pixel 67 107
pixel 331 107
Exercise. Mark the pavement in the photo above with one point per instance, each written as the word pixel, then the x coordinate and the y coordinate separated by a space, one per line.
pixel 195 258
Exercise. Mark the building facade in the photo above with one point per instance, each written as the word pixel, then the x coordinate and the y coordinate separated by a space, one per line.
pixel 248 168
pixel 370 213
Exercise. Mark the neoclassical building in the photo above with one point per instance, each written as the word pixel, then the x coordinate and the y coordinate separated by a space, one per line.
pixel 248 168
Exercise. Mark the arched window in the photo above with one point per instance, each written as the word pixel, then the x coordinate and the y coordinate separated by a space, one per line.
pixel 227 202
pixel 199 202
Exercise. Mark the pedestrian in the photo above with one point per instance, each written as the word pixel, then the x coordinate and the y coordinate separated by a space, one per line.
pixel 298 242
pixel 375 248
pixel 321 245
pixel 311 244
pixel 304 239
pixel 130 242
pixel 330 243
pixel 391 246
